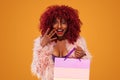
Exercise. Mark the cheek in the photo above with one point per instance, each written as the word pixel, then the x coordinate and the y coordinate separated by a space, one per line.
pixel 55 26
pixel 65 27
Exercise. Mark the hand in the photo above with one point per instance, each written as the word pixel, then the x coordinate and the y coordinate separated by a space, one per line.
pixel 47 37
pixel 79 53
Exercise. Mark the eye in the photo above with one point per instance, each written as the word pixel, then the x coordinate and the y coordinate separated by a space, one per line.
pixel 63 21
pixel 55 22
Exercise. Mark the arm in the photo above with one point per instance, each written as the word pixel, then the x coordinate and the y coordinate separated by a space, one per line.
pixel 83 48
pixel 42 55
pixel 40 58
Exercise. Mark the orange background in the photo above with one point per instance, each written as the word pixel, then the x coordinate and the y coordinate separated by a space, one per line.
pixel 19 21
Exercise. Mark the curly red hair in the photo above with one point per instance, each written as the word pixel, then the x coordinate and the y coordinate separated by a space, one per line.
pixel 65 12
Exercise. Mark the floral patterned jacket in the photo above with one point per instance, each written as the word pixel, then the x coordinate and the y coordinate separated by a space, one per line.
pixel 42 64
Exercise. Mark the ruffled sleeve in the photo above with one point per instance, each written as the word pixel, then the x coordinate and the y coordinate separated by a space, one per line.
pixel 41 59
pixel 82 43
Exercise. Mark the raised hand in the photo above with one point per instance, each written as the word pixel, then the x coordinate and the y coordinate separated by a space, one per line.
pixel 47 38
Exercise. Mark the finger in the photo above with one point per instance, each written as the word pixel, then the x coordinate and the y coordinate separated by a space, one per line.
pixel 80 52
pixel 78 47
pixel 53 39
pixel 47 31
pixel 77 52
pixel 80 55
pixel 76 56
pixel 52 34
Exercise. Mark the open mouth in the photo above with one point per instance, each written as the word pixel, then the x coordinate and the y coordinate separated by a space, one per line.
pixel 59 31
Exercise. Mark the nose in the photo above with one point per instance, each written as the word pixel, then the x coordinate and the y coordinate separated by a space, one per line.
pixel 59 25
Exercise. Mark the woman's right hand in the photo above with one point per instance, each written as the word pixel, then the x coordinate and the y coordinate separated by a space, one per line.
pixel 47 37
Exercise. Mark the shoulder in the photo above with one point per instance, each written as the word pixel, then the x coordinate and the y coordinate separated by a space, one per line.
pixel 81 40
pixel 82 43
pixel 37 40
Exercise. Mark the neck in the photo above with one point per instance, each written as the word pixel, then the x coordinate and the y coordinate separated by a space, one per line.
pixel 60 38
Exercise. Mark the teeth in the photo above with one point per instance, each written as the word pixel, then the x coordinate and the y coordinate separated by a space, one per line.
pixel 59 30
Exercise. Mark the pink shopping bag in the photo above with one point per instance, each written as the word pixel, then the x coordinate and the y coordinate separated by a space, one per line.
pixel 71 69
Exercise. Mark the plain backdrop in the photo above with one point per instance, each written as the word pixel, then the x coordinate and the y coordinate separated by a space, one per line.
pixel 19 21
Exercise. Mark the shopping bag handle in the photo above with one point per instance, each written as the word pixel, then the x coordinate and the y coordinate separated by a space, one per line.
pixel 69 54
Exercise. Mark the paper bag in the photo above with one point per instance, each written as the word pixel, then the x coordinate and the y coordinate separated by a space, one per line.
pixel 71 69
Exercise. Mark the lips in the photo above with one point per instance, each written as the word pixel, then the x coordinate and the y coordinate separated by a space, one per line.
pixel 59 31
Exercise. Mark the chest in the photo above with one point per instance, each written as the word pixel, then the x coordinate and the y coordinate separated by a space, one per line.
pixel 60 49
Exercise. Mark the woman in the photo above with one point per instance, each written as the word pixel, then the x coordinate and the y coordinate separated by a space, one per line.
pixel 60 28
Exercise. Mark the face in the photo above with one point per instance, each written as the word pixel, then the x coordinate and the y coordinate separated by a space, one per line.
pixel 60 26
